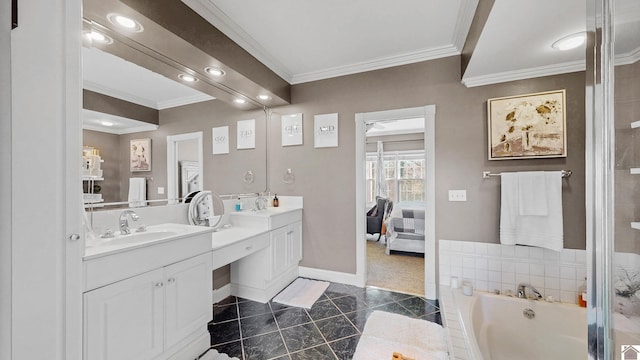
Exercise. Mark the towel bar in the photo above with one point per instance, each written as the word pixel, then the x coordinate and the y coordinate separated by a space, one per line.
pixel 488 174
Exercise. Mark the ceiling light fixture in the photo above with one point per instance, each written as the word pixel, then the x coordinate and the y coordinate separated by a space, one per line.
pixel 214 71
pixel 107 123
pixel 570 41
pixel 187 78
pixel 124 22
pixel 99 37
pixel 240 101
pixel 264 97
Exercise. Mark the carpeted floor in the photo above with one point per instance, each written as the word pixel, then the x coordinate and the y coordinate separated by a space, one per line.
pixel 401 272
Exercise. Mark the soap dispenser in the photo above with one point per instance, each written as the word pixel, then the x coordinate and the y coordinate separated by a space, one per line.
pixel 275 201
pixel 239 204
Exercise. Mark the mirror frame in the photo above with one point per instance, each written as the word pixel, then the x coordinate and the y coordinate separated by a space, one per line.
pixel 172 163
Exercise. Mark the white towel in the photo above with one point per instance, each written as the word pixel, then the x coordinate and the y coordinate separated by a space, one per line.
pixel 541 231
pixel 532 193
pixel 137 192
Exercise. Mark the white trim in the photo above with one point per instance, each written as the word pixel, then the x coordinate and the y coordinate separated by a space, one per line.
pixel 172 155
pixel 628 58
pixel 522 74
pixel 209 11
pixel 428 112
pixel 132 130
pixel 463 23
pixel 95 87
pixel 220 294
pixel 376 64
pixel 187 100
pixel 328 275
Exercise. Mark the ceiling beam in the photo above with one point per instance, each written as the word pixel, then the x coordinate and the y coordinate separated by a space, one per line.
pixel 477 25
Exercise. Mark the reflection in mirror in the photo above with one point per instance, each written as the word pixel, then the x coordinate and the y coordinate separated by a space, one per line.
pixel 184 148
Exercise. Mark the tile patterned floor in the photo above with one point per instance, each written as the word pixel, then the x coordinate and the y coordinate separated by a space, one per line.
pixel 329 330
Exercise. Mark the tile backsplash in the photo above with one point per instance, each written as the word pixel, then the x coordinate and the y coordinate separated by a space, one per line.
pixel 491 267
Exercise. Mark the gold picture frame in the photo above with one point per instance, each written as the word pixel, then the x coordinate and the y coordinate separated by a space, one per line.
pixel 140 155
pixel 530 126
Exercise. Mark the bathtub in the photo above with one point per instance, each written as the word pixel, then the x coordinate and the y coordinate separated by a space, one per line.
pixel 495 327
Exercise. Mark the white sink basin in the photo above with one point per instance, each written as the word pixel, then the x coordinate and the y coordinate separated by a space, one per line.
pixel 153 233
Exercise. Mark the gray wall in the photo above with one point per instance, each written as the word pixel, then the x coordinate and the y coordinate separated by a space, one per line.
pixel 325 177
pixel 109 146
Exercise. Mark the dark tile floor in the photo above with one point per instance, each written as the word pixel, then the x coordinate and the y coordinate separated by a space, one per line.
pixel 329 330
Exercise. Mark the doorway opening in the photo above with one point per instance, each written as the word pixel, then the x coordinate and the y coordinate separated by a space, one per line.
pixel 405 187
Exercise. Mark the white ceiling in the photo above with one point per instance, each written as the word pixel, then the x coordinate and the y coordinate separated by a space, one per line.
pixel 312 40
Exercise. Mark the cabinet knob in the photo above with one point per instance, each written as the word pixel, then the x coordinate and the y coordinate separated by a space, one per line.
pixel 74 237
pixel 170 280
pixel 289 232
pixel 159 285
pixel 249 248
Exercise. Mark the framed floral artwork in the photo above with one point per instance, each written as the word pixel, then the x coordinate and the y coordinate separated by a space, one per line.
pixel 530 126
pixel 140 155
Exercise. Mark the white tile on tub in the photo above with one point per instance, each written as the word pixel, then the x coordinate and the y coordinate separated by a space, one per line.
pixel 494 250
pixel 456 260
pixel 495 265
pixel 445 259
pixel 568 272
pixel 495 276
pixel 456 271
pixel 568 285
pixel 482 275
pixel 581 274
pixel 468 247
pixel 552 283
pixel 568 297
pixel 468 273
pixel 508 266
pixel 508 250
pixel 445 270
pixel 568 256
pixel 581 257
pixel 508 277
pixel 552 270
pixel 523 279
pixel 444 245
pixel 522 252
pixel 455 246
pixel 445 279
pixel 482 285
pixel 481 248
pixel 508 287
pixel 537 282
pixel 550 255
pixel 494 286
pixel 482 264
pixel 536 253
pixel 555 293
pixel 536 269
pixel 469 262
pixel 522 268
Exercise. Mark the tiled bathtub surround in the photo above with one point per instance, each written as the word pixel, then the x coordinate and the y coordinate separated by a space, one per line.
pixel 492 267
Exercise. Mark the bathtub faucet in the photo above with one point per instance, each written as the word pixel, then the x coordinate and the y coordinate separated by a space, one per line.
pixel 522 292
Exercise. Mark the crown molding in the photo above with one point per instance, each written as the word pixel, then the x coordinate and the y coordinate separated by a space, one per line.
pixel 230 28
pixel 95 87
pixel 184 101
pixel 463 23
pixel 522 74
pixel 628 58
pixel 403 59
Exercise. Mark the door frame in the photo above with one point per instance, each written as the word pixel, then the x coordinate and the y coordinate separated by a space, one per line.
pixel 428 112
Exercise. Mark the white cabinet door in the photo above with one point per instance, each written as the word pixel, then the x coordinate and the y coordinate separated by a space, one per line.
pixel 125 320
pixel 188 298
pixel 294 237
pixel 279 251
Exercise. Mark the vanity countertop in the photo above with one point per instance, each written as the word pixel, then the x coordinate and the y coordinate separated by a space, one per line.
pixel 231 235
pixel 268 212
pixel 155 234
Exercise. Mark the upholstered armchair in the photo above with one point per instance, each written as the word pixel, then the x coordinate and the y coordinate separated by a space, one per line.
pixel 375 216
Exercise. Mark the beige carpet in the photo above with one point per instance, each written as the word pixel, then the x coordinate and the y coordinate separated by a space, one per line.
pixel 397 272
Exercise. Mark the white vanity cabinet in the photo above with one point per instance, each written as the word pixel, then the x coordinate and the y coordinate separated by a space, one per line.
pixel 154 315
pixel 263 274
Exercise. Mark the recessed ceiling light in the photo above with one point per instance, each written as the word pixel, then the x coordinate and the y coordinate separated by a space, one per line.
pixel 570 41
pixel 125 22
pixel 187 78
pixel 264 97
pixel 214 71
pixel 106 123
pixel 99 37
pixel 240 101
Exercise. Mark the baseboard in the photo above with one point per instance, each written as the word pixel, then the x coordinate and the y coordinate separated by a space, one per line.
pixel 328 275
pixel 221 293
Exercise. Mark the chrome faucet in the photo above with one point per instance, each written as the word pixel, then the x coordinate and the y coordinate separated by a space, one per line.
pixel 124 222
pixel 522 292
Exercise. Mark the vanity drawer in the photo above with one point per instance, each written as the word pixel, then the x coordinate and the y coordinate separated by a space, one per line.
pixel 233 252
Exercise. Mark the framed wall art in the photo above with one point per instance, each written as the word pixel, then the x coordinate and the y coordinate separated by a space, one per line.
pixel 292 129
pixel 246 134
pixel 527 126
pixel 325 130
pixel 220 136
pixel 140 155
